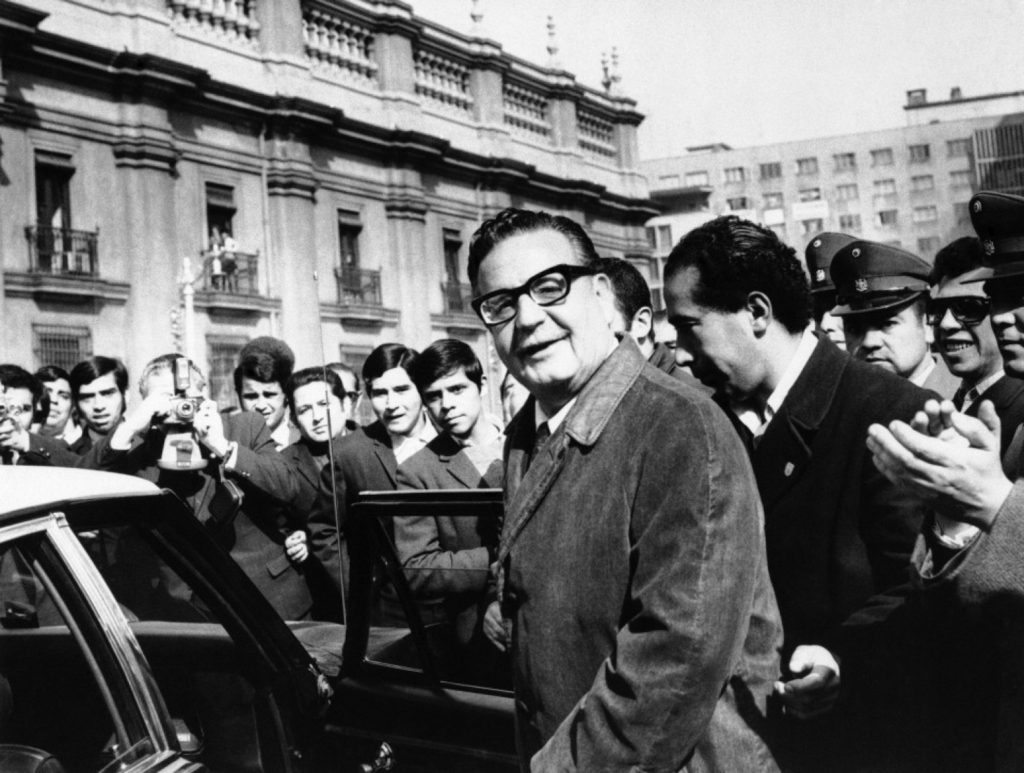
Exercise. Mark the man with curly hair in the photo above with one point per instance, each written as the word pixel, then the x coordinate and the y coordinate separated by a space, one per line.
pixel 838 534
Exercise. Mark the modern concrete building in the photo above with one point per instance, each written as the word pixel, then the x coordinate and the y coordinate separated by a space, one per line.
pixel 908 186
pixel 321 164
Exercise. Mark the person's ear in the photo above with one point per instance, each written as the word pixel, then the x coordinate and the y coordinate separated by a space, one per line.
pixel 759 306
pixel 603 291
pixel 642 323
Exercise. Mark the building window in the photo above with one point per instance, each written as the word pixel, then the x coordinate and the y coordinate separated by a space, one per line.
pixel 53 195
pixel 886 218
pixel 885 187
pixel 809 194
pixel 697 179
pixel 920 153
pixel 771 171
pixel 735 174
pixel 845 162
pixel 652 237
pixel 773 201
pixel 807 165
pixel 928 245
pixel 737 203
pixel 847 192
pixel 849 223
pixel 222 354
pixel 220 212
pixel 960 179
pixel 957 148
pixel 927 214
pixel 922 182
pixel 452 247
pixel 881 157
pixel 813 226
pixel 349 228
pixel 962 212
pixel 61 345
pixel 664 238
pixel 668 181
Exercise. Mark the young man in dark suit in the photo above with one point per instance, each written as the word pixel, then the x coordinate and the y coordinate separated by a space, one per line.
pixel 838 534
pixel 368 459
pixel 446 559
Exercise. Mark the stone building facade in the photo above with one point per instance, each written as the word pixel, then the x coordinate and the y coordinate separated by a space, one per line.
pixel 321 164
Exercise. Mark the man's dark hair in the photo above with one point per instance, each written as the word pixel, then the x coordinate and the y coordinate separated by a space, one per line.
pixel 956 258
pixel 336 366
pixel 16 377
pixel 96 367
pixel 50 373
pixel 301 378
pixel 384 358
pixel 263 367
pixel 512 222
pixel 442 358
pixel 734 258
pixel 631 290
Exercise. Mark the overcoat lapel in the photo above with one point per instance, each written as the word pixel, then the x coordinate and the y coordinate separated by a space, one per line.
pixel 785 449
pixel 382 451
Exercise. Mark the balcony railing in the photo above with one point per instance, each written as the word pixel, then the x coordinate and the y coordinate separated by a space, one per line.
pixel 457 296
pixel 233 273
pixel 358 286
pixel 62 251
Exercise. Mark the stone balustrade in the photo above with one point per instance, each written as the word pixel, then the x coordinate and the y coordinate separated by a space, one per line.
pixel 526 110
pixel 231 20
pixel 339 45
pixel 441 80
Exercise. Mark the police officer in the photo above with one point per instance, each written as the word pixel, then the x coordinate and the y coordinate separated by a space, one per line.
pixel 818 256
pixel 882 292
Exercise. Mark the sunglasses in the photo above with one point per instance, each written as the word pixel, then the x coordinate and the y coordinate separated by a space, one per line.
pixel 967 311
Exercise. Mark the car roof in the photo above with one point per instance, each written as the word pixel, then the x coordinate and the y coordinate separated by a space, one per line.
pixel 36 488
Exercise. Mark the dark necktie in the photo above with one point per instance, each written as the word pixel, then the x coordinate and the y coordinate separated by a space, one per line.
pixel 539 439
pixel 962 395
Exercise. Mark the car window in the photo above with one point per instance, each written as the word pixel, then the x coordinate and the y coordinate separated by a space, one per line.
pixel 433 587
pixel 62 692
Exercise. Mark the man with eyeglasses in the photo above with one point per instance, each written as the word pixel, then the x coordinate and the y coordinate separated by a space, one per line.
pixel 631 565
pixel 967 665
pixel 881 294
pixel 958 312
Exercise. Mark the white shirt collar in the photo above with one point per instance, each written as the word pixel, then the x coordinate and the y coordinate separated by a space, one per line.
pixel 980 388
pixel 404 447
pixel 540 416
pixel 757 421
pixel 921 374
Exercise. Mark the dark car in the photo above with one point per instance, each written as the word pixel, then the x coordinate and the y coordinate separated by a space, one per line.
pixel 160 654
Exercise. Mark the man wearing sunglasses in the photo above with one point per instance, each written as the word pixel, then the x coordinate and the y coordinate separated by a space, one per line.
pixel 631 564
pixel 966 667
pixel 958 312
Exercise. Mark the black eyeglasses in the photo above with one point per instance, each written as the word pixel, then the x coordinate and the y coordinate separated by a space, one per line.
pixel 966 310
pixel 545 289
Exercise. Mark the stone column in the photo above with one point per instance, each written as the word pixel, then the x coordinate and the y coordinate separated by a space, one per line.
pixel 291 215
pixel 405 275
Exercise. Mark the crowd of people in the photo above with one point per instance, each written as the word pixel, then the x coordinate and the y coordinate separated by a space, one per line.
pixel 787 540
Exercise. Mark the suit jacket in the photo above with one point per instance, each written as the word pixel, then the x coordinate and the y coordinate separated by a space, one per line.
pixel 940 380
pixel 644 626
pixel 255 537
pixel 307 477
pixel 363 461
pixel 446 559
pixel 968 657
pixel 839 535
pixel 1007 395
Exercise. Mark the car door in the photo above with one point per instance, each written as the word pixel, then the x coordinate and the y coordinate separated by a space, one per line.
pixel 441 702
pixel 243 693
pixel 75 690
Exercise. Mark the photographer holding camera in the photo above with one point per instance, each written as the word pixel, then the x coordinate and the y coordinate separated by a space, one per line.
pixel 225 468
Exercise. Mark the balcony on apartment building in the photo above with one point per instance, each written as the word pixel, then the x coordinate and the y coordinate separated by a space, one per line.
pixel 229 282
pixel 360 301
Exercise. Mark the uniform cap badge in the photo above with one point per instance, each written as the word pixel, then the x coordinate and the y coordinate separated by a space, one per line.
pixel 861 285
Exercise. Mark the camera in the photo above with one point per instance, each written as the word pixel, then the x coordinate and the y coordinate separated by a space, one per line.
pixel 181 449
